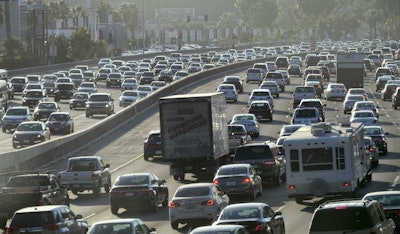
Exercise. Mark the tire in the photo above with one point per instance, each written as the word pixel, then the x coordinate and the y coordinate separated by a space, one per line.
pixel 179 177
pixel 146 157
pixel 114 209
pixel 74 191
pixel 67 201
pixel 385 151
pixel 97 191
pixel 368 177
pixel 107 188
pixel 165 202
pixel 174 225
pixel 15 145
pixel 253 194
pixel 394 107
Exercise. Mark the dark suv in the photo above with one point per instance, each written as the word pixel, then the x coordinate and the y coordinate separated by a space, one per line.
pixel 100 103
pixel 396 98
pixel 350 216
pixel 152 145
pixel 264 158
pixel 261 109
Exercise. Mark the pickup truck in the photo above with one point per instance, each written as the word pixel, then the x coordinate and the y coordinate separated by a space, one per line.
pixel 86 173
pixel 32 189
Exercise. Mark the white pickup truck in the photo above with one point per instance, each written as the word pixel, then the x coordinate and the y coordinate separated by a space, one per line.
pixel 86 173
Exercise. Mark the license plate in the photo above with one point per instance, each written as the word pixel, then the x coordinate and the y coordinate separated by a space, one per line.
pixel 259 116
pixel 190 206
pixel 79 104
pixel 231 183
pixel 128 194
pixel 158 151
pixel 56 129
pixel 26 141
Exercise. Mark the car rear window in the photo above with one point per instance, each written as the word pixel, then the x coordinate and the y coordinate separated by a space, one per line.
pixel 155 137
pixel 305 89
pixel 33 219
pixel 232 170
pixel 346 218
pixel 306 113
pixel 193 192
pixel 253 152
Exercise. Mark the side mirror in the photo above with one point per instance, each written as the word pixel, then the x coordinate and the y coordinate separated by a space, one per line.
pixel 78 216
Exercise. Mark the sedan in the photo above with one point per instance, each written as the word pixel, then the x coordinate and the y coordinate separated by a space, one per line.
pixel 235 80
pixel 379 137
pixel 198 201
pixel 128 97
pixel 30 133
pixel 129 84
pixel 366 117
pixel 89 87
pixel 390 201
pixel 78 100
pixel 335 91
pixel 287 130
pixel 350 100
pixel 44 109
pixel 257 217
pixel 229 90
pixel 144 90
pixel 60 122
pixel 138 189
pixel 239 179
pixel 221 229
pixel 122 225
pixel 251 126
pixel 387 91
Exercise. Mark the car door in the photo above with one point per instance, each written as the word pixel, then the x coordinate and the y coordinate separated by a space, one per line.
pixel 69 220
pixel 275 224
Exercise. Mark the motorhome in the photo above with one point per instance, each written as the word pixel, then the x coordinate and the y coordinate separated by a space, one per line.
pixel 326 159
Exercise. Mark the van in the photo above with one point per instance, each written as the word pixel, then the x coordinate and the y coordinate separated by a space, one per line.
pixel 282 62
pixel 254 74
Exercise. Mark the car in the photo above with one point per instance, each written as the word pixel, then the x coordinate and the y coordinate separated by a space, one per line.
pixel 366 105
pixel 197 201
pixel 89 76
pixel 47 219
pixel 33 97
pixel 50 87
pixel 235 80
pixel 147 77
pixel 396 98
pixel 358 91
pixel 152 145
pixel 305 115
pixel 350 100
pixel 121 226
pixel 103 73
pixel 294 69
pixel 77 78
pixel 261 94
pixel 286 76
pixel 128 97
pixel 30 86
pixel 282 62
pixel 180 75
pixel 144 90
pixel 263 156
pixel 237 135
pixel 272 86
pixel 99 103
pixel 249 121
pixel 44 109
pixel 30 133
pixel 78 100
pixel 367 117
pixel 60 122
pixel 229 91
pixel 239 179
pixel 278 76
pixel 379 137
pixel 194 67
pixel 34 78
pixel 128 74
pixel 335 91
pixel 254 74
pixel 88 87
pixel 387 91
pixel 165 75
pixel 382 71
pixel 225 229
pixel 357 216
pixel 317 87
pixel 372 150
pixel 262 66
pixel 14 116
pixel 104 61
pixel 50 78
pixel 287 130
pixel 316 77
pixel 261 109
pixel 19 83
pixel 64 91
pixel 138 190
pixel 390 200
pixel 114 79
pixel 314 102
pixel 129 84
pixel 257 217
pixel 381 81
pixel 300 92
pixel 157 84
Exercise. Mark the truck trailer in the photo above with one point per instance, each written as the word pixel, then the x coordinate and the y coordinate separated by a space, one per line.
pixel 350 69
pixel 194 133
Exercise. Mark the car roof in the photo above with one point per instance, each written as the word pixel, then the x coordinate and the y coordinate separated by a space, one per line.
pixel 247 205
pixel 194 185
pixel 39 208
pixel 235 165
pixel 216 228
pixel 382 193
pixel 121 220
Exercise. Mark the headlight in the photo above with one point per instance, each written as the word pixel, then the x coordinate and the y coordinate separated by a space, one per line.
pixel 107 105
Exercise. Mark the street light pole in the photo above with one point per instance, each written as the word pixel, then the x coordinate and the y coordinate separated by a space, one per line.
pixel 143 26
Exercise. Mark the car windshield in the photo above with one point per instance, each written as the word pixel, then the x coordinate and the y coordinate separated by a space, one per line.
pixel 240 213
pixel 34 94
pixel 133 180
pixel 16 112
pixel 372 131
pixel 80 96
pixel 98 98
pixel 193 192
pixel 108 228
pixel 305 113
pixel 29 127
pixel 346 218
pixel 33 219
pixel 131 94
pixel 386 199
pixel 46 106
pixel 58 117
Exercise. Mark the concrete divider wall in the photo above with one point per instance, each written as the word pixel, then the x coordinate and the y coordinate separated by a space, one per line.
pixel 33 157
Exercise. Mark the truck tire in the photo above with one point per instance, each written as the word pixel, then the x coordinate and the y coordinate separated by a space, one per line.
pixel 15 145
pixel 165 202
pixel 174 225
pixel 146 157
pixel 114 209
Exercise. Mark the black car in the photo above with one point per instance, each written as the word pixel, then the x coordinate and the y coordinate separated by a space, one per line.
pixel 114 79
pixel 30 133
pixel 64 91
pixel 257 217
pixel 147 77
pixel 44 109
pixel 33 97
pixel 265 159
pixel 51 88
pixel 138 189
pixel 235 80
pixel 261 109
pixel 381 82
pixel 152 145
pixel 387 91
pixel 379 137
pixel 294 69
pixel 78 100
pixel 396 99
pixel 165 75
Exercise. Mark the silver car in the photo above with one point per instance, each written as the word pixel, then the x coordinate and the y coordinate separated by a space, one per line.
pixel 229 90
pixel 128 97
pixel 272 86
pixel 198 201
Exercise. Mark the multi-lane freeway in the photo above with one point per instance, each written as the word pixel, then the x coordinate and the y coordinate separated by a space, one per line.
pixel 123 149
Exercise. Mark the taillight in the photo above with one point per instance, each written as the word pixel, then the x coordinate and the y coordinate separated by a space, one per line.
pixel 292 187
pixel 259 227
pixel 269 163
pixel 173 204
pixel 346 184
pixel 50 227
pixel 12 230
pixel 216 181
pixel 246 180
pixel 208 203
pixel 371 150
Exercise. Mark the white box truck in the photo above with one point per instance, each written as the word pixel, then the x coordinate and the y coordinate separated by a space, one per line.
pixel 326 159
pixel 194 133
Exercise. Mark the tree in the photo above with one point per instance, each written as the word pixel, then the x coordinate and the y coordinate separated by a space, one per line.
pixel 257 13
pixel 57 9
pixel 227 20
pixel 81 46
pixel 62 48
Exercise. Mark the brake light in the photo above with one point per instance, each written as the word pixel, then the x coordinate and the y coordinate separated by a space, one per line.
pixel 341 208
pixel 216 181
pixel 269 163
pixel 346 184
pixel 50 227
pixel 259 227
pixel 174 204
pixel 398 214
pixel 12 230
pixel 208 203
pixel 371 150
pixel 291 187
pixel 246 180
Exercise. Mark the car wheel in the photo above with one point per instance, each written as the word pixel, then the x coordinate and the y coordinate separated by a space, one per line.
pixel 146 157
pixel 74 191
pixel 165 202
pixel 260 193
pixel 394 107
pixel 277 95
pixel 97 191
pixel 15 145
pixel 107 188
pixel 174 225
pixel 114 209
pixel 385 151
pixel 253 194
pixel 67 201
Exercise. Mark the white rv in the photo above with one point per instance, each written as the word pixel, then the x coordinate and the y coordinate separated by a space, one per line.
pixel 325 159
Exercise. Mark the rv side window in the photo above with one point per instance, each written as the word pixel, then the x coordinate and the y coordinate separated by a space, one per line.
pixel 340 161
pixel 317 159
pixel 294 160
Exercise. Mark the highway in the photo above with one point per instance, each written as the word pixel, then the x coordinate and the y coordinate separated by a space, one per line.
pixel 123 149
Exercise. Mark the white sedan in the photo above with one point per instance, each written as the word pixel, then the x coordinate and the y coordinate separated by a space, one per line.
pixel 367 117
